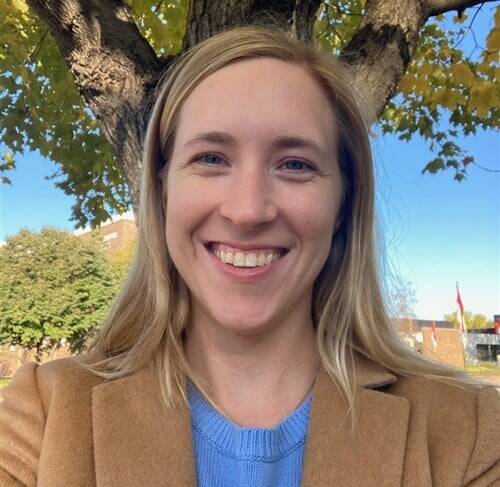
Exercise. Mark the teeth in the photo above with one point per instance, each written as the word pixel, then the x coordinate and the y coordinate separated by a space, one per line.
pixel 240 259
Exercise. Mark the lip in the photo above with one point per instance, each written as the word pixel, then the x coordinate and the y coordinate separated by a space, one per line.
pixel 248 275
pixel 243 246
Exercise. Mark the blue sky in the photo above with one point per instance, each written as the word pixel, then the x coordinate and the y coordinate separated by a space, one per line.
pixel 437 231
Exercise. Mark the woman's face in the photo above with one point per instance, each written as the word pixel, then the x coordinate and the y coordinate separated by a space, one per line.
pixel 254 175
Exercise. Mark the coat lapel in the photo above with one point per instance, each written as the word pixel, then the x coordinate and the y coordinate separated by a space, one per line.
pixel 136 440
pixel 374 456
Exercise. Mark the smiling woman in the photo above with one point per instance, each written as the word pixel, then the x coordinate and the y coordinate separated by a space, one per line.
pixel 252 324
pixel 233 190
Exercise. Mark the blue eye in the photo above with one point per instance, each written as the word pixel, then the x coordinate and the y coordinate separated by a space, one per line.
pixel 296 165
pixel 209 159
pixel 292 165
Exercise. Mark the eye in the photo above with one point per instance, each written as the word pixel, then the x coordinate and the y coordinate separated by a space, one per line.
pixel 209 159
pixel 298 166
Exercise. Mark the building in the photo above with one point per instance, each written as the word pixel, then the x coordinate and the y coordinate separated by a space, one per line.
pixel 445 343
pixel 484 345
pixel 116 232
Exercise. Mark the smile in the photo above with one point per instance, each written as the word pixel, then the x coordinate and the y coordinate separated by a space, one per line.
pixel 244 274
pixel 246 258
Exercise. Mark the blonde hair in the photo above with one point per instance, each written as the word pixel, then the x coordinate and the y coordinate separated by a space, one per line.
pixel 149 317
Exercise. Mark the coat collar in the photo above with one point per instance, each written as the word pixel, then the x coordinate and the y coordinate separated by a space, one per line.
pixel 138 442
pixel 374 456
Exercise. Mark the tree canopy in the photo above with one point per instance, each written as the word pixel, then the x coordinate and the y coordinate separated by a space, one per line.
pixel 75 77
pixel 472 320
pixel 53 286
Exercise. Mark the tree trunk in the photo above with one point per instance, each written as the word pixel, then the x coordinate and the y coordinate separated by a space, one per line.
pixel 116 69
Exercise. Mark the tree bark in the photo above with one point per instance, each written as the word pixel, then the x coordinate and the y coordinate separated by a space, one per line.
pixel 438 7
pixel 116 69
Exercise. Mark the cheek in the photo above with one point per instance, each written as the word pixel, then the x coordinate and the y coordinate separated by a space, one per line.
pixel 314 216
pixel 185 209
pixel 175 205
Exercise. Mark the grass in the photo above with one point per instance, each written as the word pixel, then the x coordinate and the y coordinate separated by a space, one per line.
pixel 483 368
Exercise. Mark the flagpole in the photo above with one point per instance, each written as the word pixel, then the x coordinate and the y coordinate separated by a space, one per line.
pixel 461 322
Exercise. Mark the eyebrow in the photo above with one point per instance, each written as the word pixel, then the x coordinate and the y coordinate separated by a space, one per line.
pixel 281 142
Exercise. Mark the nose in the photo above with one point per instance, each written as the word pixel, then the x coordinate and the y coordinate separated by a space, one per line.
pixel 248 201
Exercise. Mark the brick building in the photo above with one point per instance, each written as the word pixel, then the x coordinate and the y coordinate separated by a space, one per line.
pixel 116 232
pixel 447 346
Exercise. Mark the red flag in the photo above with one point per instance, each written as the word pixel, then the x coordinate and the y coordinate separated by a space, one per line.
pixel 462 327
pixel 433 335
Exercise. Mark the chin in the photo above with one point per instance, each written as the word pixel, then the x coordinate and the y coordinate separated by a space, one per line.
pixel 242 323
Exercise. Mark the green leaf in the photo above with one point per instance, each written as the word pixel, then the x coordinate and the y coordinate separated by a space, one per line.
pixel 434 166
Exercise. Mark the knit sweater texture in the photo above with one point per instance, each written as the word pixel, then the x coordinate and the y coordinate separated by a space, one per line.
pixel 228 455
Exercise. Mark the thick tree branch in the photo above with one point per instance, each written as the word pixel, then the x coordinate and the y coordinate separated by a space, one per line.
pixel 382 48
pixel 113 66
pixel 438 7
pixel 207 17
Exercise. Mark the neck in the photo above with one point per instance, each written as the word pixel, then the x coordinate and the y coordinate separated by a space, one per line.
pixel 255 380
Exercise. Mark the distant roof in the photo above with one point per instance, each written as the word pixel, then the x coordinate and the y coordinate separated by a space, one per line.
pixel 128 216
pixel 417 323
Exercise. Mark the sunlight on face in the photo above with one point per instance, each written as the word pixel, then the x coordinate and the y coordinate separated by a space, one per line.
pixel 254 167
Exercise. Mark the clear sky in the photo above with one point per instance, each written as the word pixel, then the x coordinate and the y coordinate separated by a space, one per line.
pixel 437 231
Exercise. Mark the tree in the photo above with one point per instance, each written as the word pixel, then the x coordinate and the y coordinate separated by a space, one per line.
pixel 120 262
pixel 53 286
pixel 402 298
pixel 90 118
pixel 472 321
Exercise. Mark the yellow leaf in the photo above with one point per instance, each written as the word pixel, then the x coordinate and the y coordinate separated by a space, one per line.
pixel 484 96
pixel 438 73
pixel 20 5
pixel 462 73
pixel 421 85
pixel 491 57
pixel 448 99
pixel 493 41
pixel 406 84
pixel 426 68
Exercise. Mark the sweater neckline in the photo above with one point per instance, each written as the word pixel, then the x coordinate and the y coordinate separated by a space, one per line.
pixel 247 443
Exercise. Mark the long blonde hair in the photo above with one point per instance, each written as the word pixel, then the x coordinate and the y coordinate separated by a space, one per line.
pixel 149 318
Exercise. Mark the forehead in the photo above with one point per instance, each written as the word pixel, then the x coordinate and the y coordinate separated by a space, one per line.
pixel 262 97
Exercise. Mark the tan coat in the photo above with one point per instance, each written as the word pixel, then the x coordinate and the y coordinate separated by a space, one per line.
pixel 63 427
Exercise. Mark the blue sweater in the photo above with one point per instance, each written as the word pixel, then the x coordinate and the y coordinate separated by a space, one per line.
pixel 228 455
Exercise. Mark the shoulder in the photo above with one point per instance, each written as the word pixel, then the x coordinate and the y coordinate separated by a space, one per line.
pixel 51 380
pixel 423 392
pixel 455 420
pixel 441 401
pixel 41 405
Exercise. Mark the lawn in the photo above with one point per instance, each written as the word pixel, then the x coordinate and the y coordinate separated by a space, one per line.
pixel 483 368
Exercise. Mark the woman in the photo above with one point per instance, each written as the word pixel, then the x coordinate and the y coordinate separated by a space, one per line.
pixel 252 325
